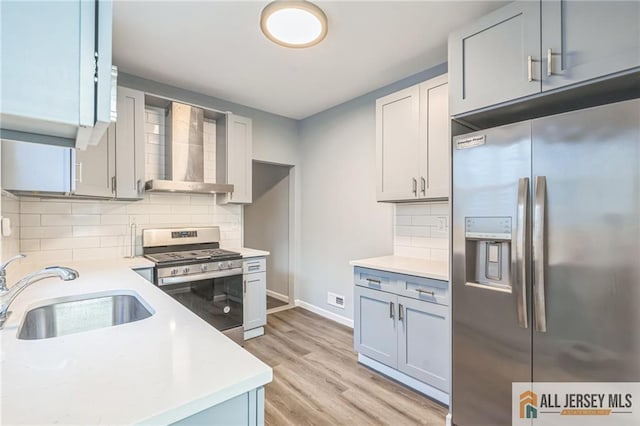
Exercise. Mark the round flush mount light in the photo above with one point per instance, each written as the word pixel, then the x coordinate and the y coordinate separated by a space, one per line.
pixel 293 23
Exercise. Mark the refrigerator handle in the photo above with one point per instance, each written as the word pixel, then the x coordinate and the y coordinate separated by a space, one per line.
pixel 520 286
pixel 539 208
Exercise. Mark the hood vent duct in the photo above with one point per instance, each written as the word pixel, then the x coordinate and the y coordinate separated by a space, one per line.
pixel 184 154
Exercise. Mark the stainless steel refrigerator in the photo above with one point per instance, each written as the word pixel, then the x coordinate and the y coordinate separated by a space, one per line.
pixel 546 256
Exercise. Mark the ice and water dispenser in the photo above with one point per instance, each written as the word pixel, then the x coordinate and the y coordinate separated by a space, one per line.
pixel 488 252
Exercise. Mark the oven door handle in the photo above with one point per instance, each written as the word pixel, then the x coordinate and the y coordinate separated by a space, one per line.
pixel 197 277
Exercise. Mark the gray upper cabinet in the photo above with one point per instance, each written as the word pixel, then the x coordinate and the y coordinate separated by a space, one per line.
pixel 375 332
pixel 234 153
pixel 95 168
pixel 531 47
pixel 423 342
pixel 582 40
pixel 412 143
pixel 56 79
pixel 397 144
pixel 130 145
pixel 495 59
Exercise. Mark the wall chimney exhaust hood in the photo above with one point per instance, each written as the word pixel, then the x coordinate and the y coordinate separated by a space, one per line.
pixel 184 154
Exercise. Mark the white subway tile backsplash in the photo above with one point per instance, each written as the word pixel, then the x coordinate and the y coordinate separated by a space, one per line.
pixel 99 231
pixel 68 243
pixel 30 245
pixel 69 219
pixel 45 207
pixel 114 219
pixel 29 220
pixel 418 233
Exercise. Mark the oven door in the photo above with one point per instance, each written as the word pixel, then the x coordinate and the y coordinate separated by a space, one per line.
pixel 217 300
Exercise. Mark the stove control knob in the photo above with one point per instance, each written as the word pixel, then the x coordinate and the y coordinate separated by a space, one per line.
pixel 230 264
pixel 204 268
pixel 221 265
pixel 174 271
pixel 185 271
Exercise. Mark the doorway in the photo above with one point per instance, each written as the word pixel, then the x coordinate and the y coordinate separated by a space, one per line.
pixel 267 226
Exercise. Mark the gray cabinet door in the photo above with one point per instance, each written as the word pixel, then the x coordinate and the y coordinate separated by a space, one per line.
pixel 423 342
pixel 489 60
pixel 435 139
pixel 375 325
pixel 236 167
pixel 588 39
pixel 95 167
pixel 397 145
pixel 130 157
pixel 255 300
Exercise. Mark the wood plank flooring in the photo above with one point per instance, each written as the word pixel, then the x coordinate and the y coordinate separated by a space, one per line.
pixel 317 380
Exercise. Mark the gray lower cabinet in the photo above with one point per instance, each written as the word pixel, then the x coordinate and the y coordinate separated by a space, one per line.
pixel 409 334
pixel 375 329
pixel 423 341
pixel 255 296
pixel 243 410
pixel 530 47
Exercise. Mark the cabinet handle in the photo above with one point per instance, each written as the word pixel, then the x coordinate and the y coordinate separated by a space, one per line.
pixel 391 312
pixel 254 268
pixel 549 59
pixel 423 182
pixel 244 286
pixel 400 314
pixel 530 68
pixel 113 184
pixel 415 186
pixel 139 186
pixel 372 281
pixel 429 292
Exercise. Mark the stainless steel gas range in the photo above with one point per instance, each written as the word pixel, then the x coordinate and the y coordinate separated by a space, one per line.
pixel 193 269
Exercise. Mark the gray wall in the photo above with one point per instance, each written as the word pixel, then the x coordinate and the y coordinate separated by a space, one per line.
pixel 341 219
pixel 266 222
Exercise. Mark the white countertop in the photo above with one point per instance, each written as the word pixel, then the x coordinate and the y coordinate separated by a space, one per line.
pixel 155 371
pixel 406 265
pixel 247 252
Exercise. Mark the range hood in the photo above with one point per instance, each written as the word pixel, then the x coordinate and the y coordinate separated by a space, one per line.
pixel 184 154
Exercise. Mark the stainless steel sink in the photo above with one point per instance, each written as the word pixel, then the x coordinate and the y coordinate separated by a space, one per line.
pixel 78 315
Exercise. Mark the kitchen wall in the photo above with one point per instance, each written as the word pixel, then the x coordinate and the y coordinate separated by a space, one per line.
pixel 341 219
pixel 422 230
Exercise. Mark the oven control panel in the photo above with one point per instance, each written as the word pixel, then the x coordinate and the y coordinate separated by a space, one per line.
pixel 199 268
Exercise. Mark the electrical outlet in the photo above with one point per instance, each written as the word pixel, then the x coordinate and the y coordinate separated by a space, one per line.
pixel 335 300
pixel 443 223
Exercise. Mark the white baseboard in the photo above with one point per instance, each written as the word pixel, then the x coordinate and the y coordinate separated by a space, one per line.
pixel 424 388
pixel 448 420
pixel 324 313
pixel 279 296
pixel 254 332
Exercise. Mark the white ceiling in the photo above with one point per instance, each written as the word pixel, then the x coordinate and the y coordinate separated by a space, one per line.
pixel 217 48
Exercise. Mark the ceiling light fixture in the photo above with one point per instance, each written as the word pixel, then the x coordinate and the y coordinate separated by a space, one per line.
pixel 293 23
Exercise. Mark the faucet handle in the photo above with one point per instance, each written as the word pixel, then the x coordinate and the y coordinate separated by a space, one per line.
pixel 3 266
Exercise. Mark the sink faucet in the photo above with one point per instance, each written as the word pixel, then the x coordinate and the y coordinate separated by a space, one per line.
pixel 7 296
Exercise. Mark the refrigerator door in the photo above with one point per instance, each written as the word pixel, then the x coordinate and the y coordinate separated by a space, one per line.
pixel 587 262
pixel 491 349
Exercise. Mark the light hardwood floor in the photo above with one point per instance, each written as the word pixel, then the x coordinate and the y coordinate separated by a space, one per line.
pixel 317 380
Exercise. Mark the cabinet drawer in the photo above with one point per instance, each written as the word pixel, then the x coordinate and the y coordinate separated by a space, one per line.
pixel 377 280
pixel 424 289
pixel 254 265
